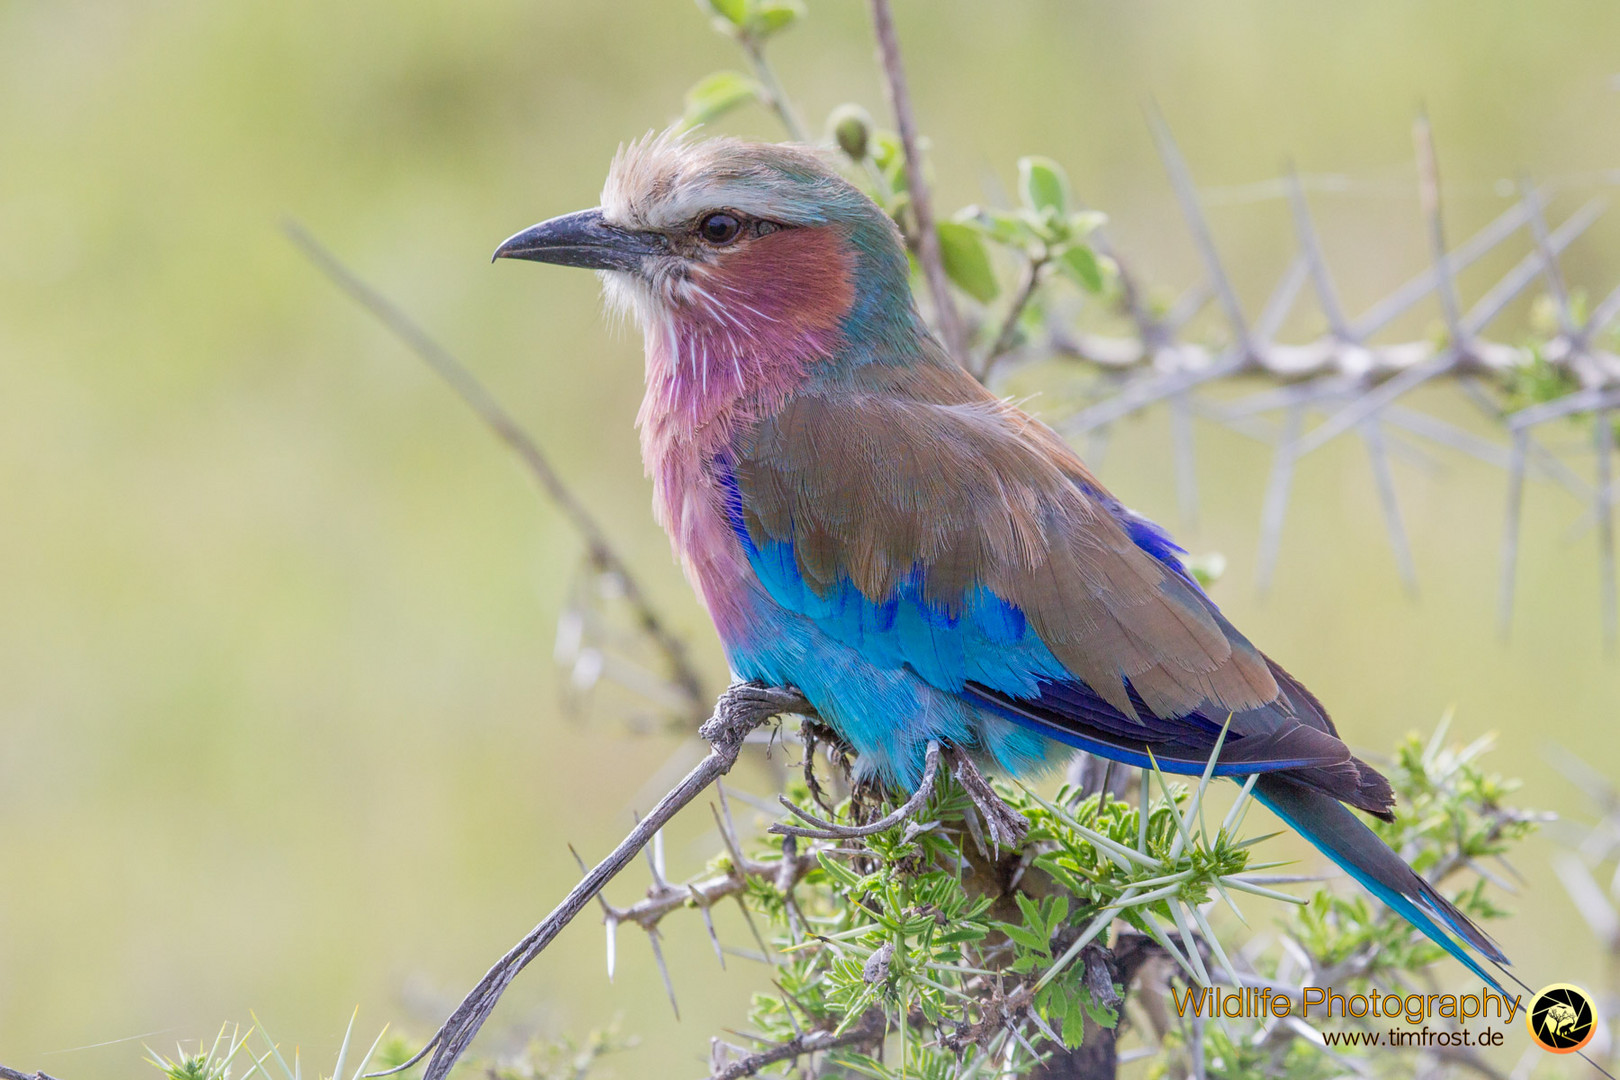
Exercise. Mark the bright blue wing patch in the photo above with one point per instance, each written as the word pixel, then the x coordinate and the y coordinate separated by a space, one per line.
pixel 986 640
pixel 984 643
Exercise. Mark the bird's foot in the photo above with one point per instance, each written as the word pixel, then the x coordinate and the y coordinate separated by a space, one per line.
pixel 743 707
pixel 1006 825
pixel 821 829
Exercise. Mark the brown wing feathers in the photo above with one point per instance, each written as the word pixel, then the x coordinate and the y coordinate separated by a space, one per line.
pixel 942 474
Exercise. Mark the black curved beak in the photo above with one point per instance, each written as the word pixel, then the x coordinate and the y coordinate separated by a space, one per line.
pixel 583 239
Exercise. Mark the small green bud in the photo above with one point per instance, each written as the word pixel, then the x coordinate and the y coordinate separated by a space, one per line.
pixel 851 128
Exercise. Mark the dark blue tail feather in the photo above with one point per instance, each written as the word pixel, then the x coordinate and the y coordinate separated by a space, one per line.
pixel 1339 834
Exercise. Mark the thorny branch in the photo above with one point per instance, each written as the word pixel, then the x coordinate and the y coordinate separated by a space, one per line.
pixel 13 1074
pixel 739 710
pixel 922 207
pixel 870 1030
pixel 1355 384
pixel 603 556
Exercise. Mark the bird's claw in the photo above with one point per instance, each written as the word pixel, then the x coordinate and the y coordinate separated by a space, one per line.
pixel 1006 826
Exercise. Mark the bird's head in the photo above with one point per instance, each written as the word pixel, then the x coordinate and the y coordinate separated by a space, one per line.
pixel 737 257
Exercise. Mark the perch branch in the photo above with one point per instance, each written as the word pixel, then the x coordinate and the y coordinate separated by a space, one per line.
pixel 739 710
pixel 13 1074
pixel 603 556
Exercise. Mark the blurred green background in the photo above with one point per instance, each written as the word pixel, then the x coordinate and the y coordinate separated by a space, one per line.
pixel 279 728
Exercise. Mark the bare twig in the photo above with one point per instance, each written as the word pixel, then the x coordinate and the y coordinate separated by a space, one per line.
pixel 603 556
pixel 1603 505
pixel 663 897
pixel 13 1074
pixel 1510 535
pixel 1429 197
pixel 775 97
pixel 1009 324
pixel 1187 196
pixel 871 1029
pixel 926 240
pixel 1372 435
pixel 739 710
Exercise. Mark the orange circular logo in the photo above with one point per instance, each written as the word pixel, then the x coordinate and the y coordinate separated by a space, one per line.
pixel 1562 1018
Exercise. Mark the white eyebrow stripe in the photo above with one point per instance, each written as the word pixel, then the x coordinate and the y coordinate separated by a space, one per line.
pixel 690 199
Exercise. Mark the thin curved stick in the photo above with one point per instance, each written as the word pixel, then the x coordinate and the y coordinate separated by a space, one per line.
pixel 738 711
pixel 828 830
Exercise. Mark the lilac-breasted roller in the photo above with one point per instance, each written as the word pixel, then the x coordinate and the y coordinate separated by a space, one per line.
pixel 921 560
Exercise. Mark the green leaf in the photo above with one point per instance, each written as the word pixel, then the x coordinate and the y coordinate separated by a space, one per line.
pixel 1081 263
pixel 1031 910
pixel 1029 939
pixel 717 94
pixel 1006 227
pixel 1043 185
pixel 733 11
pixel 966 261
pixel 775 15
pixel 836 870
pixel 1059 912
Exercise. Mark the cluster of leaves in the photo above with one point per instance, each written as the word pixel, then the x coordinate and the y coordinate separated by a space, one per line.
pixel 751 23
pixel 973 961
pixel 1047 229
pixel 236 1054
pixel 918 953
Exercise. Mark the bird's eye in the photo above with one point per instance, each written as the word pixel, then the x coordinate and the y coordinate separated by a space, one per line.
pixel 719 229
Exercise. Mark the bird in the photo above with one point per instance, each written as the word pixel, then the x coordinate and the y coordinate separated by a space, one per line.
pixel 922 560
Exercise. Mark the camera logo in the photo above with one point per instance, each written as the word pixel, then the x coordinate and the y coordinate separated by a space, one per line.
pixel 1562 1018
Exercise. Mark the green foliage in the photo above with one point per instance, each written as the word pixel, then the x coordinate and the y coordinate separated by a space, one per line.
pixel 1044 187
pixel 971 958
pixel 1229 1055
pixel 253 1055
pixel 917 952
pixel 260 1056
pixel 918 924
pixel 717 94
pixel 753 19
pixel 1537 382
pixel 967 262
pixel 214 1063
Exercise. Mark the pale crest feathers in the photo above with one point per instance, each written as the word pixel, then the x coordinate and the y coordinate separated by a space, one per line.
pixel 663 180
